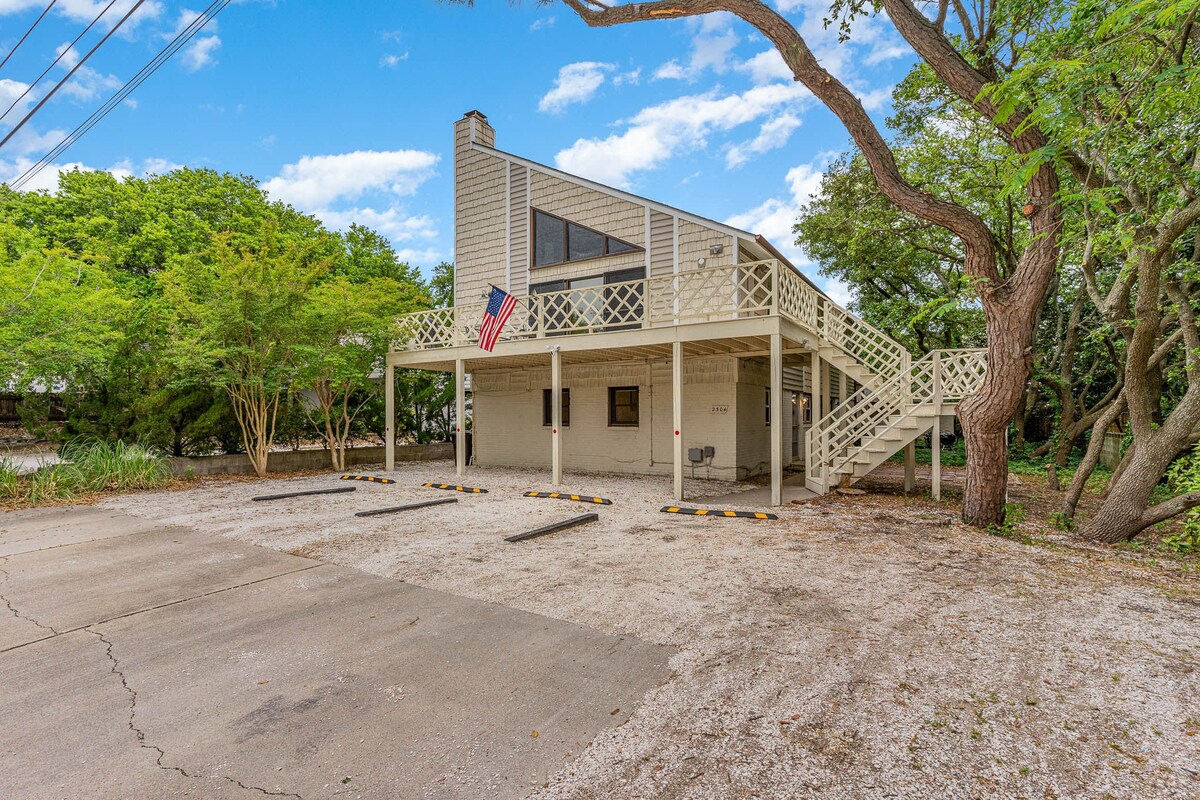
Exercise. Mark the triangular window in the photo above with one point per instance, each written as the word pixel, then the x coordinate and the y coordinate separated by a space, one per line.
pixel 557 241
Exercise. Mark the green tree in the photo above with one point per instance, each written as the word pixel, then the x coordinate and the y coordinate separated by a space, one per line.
pixel 237 322
pixel 61 317
pixel 346 333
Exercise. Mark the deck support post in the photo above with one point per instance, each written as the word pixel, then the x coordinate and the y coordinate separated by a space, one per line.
pixel 910 467
pixel 777 419
pixel 677 418
pixel 460 417
pixel 389 418
pixel 818 411
pixel 935 438
pixel 935 461
pixel 555 415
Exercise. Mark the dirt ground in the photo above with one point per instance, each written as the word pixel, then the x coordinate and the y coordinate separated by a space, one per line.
pixel 858 647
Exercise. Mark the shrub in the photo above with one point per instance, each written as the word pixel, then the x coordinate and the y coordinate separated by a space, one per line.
pixel 10 480
pixel 94 466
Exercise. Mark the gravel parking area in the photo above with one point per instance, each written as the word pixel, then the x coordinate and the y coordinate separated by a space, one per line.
pixel 863 647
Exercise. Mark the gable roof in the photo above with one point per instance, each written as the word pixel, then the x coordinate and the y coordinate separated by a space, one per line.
pixel 737 233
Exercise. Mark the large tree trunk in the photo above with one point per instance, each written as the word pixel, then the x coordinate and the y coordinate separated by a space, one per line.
pixel 985 416
pixel 1126 511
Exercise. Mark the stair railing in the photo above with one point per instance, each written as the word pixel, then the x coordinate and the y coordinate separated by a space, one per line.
pixel 835 440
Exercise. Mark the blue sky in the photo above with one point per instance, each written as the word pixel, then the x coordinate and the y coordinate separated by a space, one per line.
pixel 344 109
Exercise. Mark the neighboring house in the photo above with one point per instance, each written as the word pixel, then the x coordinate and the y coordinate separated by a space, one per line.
pixel 651 340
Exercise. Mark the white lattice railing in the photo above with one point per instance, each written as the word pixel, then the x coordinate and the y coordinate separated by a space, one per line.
pixel 738 291
pixel 941 377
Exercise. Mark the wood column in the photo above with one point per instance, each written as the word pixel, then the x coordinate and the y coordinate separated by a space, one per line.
pixel 935 462
pixel 460 418
pixel 389 418
pixel 778 419
pixel 910 467
pixel 555 415
pixel 677 418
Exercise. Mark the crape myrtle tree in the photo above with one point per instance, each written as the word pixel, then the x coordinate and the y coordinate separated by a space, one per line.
pixel 238 322
pixel 966 58
pixel 346 328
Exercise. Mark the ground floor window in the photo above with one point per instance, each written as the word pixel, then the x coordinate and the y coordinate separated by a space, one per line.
pixel 548 412
pixel 623 406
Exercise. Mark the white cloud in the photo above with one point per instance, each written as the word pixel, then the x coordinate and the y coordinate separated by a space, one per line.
pixel 576 83
pixel 10 90
pixel 543 22
pixel 773 134
pixel 314 182
pixel 326 186
pixel 392 222
pixel 199 52
pixel 658 132
pixel 712 44
pixel 127 168
pixel 775 219
pixel 766 67
pixel 47 178
pixel 392 60
pixel 87 10
pixel 632 78
pixel 425 255
pixel 86 84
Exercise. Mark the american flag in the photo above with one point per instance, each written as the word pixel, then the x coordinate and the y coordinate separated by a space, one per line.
pixel 500 306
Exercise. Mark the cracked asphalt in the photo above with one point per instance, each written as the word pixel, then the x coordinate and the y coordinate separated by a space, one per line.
pixel 143 661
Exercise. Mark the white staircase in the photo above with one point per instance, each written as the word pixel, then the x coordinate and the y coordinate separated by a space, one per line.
pixel 882 417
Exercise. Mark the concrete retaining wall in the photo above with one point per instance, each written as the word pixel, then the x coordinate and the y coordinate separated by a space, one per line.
pixel 294 460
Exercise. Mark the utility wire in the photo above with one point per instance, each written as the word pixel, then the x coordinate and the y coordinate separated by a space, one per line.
pixel 61 55
pixel 70 74
pixel 176 44
pixel 36 22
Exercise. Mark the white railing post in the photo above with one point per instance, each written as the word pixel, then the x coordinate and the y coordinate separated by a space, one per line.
pixel 646 302
pixel 775 287
pixel 540 313
pixel 937 382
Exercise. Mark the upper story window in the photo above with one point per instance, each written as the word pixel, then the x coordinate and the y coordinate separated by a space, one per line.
pixel 557 241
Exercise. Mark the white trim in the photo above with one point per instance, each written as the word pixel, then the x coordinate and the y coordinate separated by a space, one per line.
pixel 528 229
pixel 648 257
pixel 675 264
pixel 508 226
pixel 599 187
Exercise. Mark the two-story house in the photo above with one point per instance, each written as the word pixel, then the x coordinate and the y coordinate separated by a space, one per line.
pixel 652 340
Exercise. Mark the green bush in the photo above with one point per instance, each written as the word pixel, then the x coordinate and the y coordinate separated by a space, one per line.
pixel 1184 476
pixel 94 466
pixel 10 481
pixel 88 466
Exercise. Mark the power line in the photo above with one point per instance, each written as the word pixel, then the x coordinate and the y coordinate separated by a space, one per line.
pixel 70 74
pixel 176 44
pixel 36 22
pixel 61 55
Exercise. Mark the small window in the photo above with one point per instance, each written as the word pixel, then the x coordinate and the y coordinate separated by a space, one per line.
pixel 583 243
pixel 548 412
pixel 623 406
pixel 557 241
pixel 550 233
pixel 768 406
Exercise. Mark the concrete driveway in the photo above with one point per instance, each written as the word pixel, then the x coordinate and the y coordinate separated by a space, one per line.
pixel 148 661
